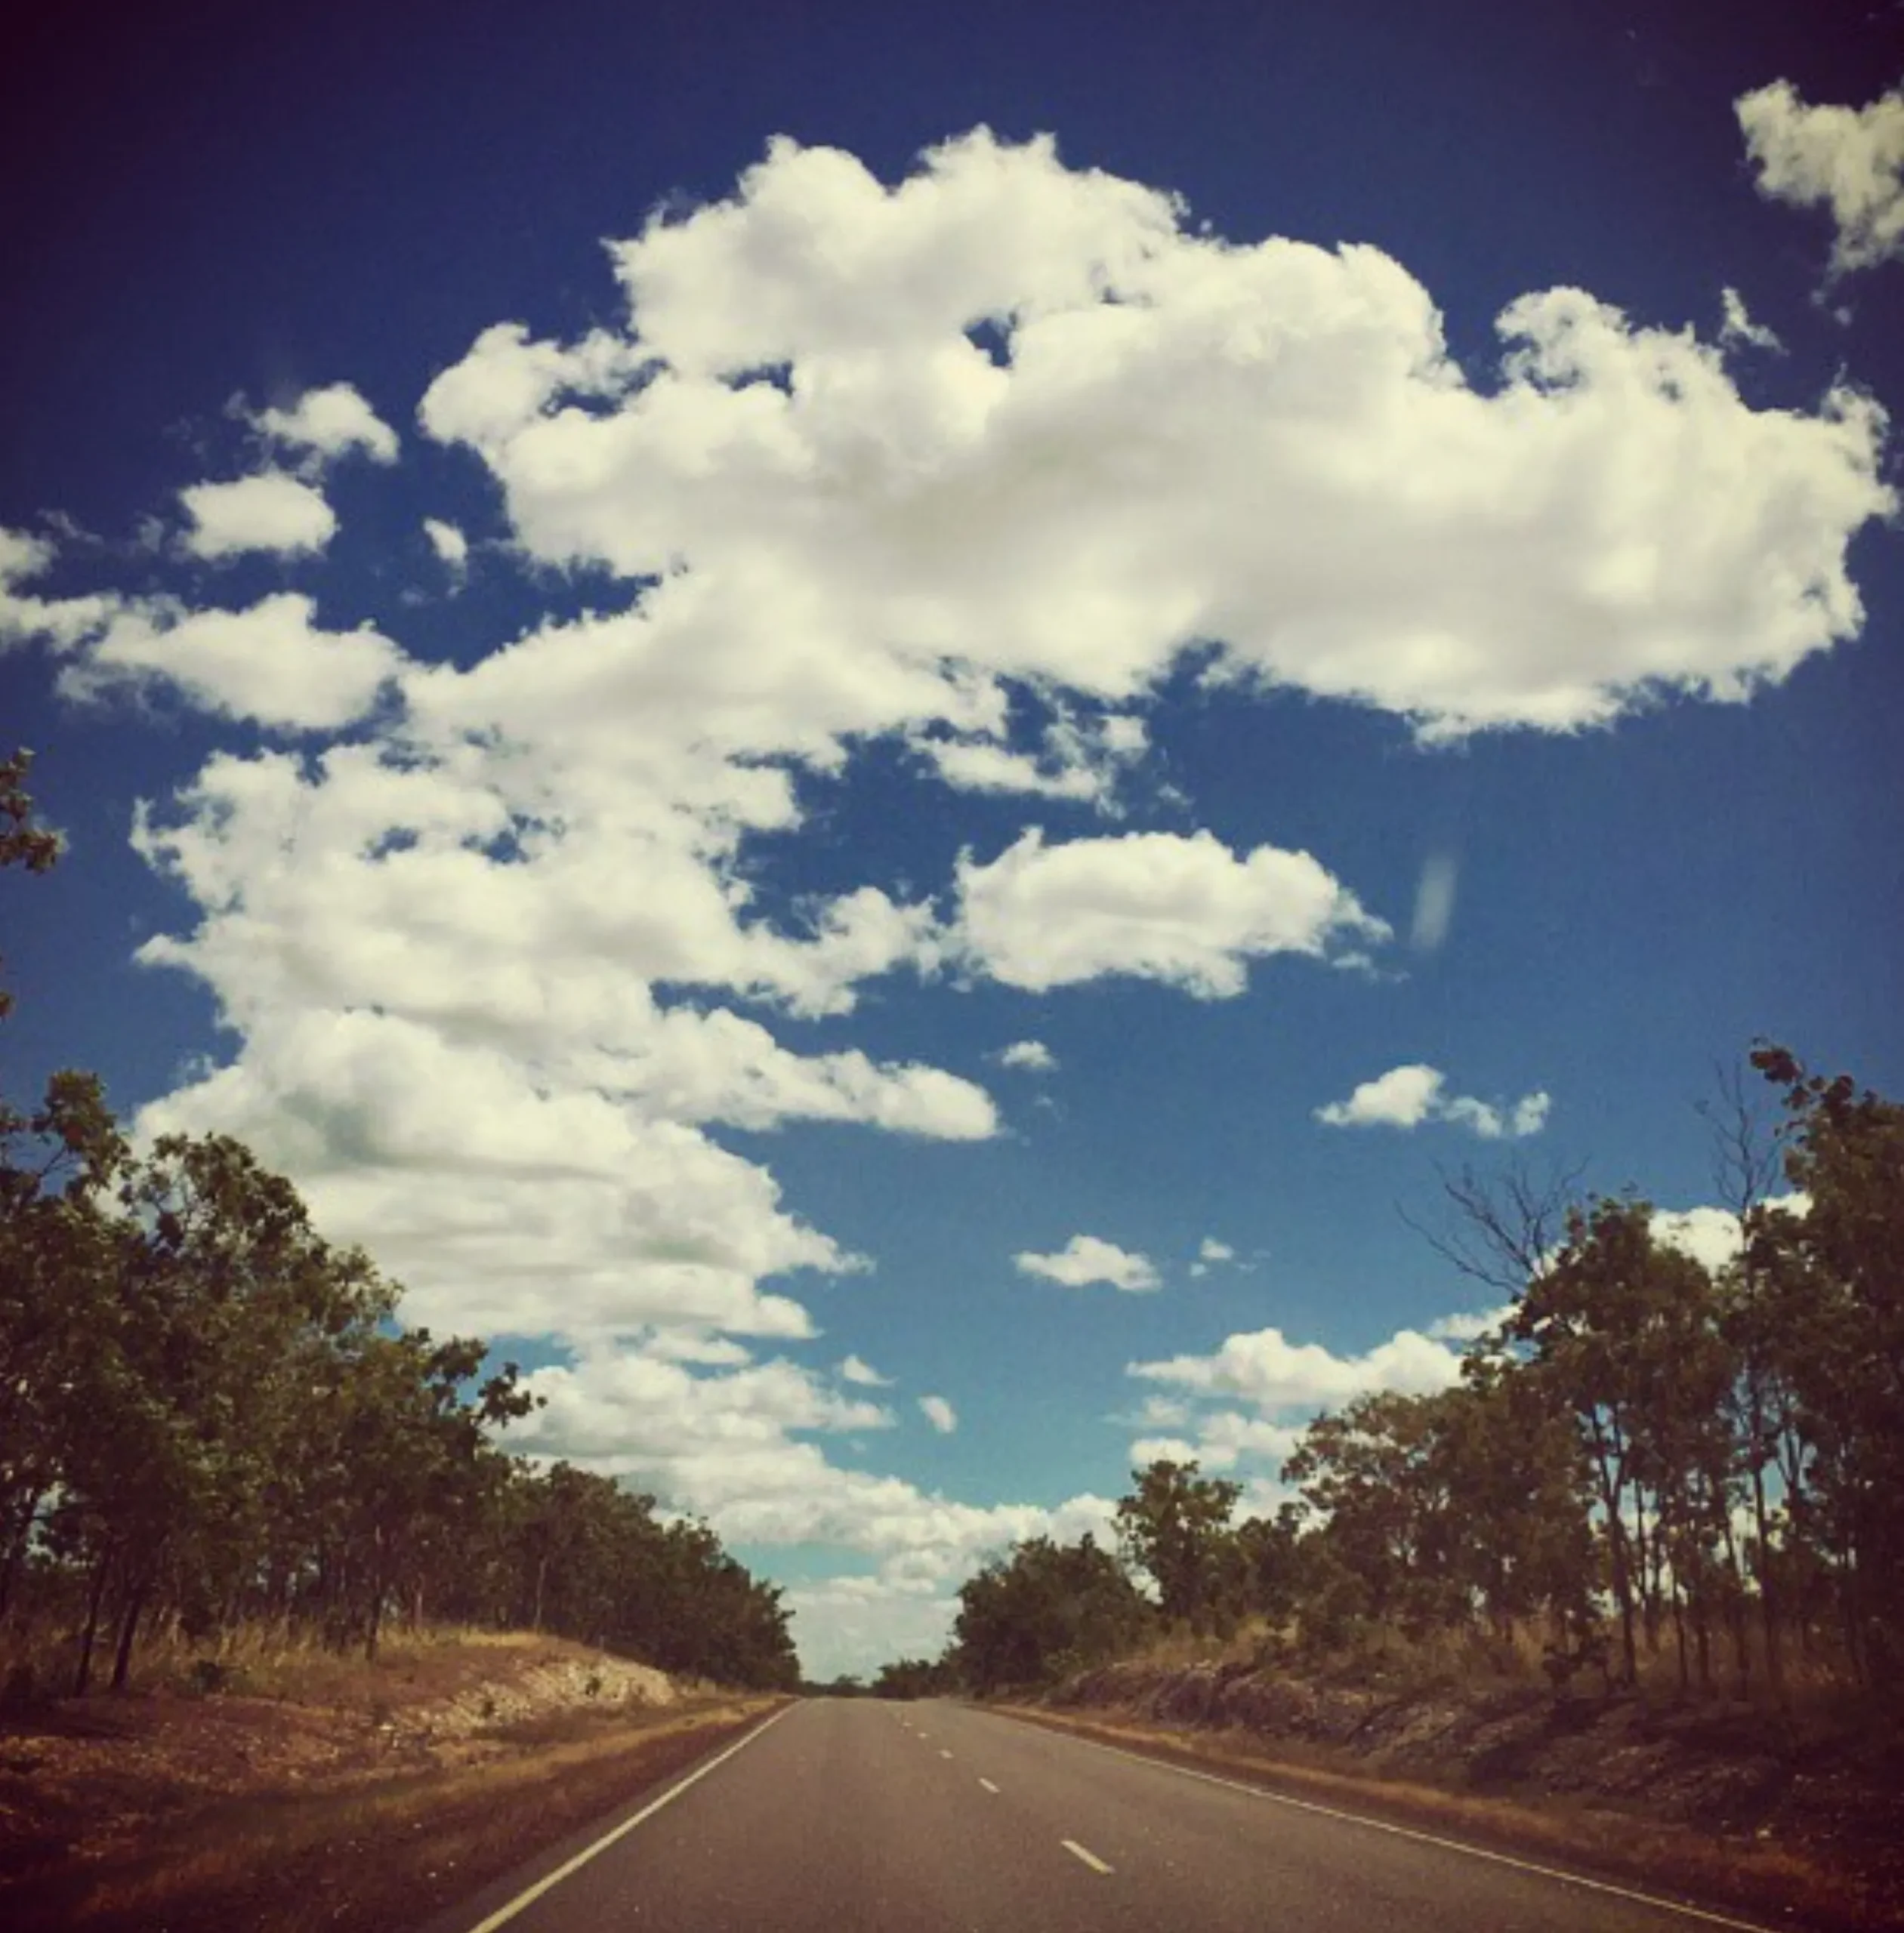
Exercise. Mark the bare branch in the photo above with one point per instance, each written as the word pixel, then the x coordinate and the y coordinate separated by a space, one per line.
pixel 1503 1231
pixel 1748 1158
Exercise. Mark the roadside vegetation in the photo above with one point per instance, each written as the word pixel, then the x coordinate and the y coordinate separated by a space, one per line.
pixel 335 1792
pixel 1632 1591
pixel 217 1438
pixel 1650 1471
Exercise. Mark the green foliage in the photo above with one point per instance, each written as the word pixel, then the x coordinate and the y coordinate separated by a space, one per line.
pixel 22 842
pixel 1042 1610
pixel 1175 1526
pixel 209 1415
pixel 1649 1454
pixel 916 1677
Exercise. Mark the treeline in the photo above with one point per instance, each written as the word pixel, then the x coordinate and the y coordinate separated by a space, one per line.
pixel 211 1418
pixel 1648 1460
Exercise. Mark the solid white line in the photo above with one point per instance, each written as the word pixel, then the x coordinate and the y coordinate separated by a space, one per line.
pixel 1089 1858
pixel 1427 1838
pixel 987 1785
pixel 530 1895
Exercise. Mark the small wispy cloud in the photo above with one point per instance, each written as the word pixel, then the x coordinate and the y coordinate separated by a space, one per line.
pixel 939 1414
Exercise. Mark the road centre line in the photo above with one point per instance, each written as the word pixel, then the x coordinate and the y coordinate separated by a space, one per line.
pixel 1084 1853
pixel 987 1785
pixel 1700 1913
pixel 530 1895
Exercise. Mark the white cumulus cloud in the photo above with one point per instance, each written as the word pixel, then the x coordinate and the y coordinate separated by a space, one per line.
pixel 329 423
pixel 1184 910
pixel 1710 1235
pixel 1084 1259
pixel 269 512
pixel 449 542
pixel 939 1414
pixel 959 468
pixel 1033 1056
pixel 1405 1096
pixel 272 663
pixel 1179 438
pixel 1849 160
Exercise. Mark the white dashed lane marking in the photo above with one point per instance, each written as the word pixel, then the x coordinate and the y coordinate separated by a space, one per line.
pixel 1084 1853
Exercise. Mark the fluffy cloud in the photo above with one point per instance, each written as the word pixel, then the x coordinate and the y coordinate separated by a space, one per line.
pixel 852 1369
pixel 60 624
pixel 1084 1259
pixel 939 1414
pixel 271 663
pixel 1711 1235
pixel 1034 1056
pixel 736 1448
pixel 330 423
pixel 1247 1403
pixel 1077 759
pixel 1850 160
pixel 1405 1096
pixel 1156 905
pixel 507 1205
pixel 268 512
pixel 1017 420
pixel 1265 1369
pixel 960 468
pixel 854 1624
pixel 451 546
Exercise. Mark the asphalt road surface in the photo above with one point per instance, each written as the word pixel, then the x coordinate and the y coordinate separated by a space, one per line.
pixel 840 1815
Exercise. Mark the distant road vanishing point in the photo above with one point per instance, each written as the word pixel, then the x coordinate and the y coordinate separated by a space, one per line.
pixel 837 1815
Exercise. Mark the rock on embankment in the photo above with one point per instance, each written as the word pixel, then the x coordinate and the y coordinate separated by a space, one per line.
pixel 537 1688
pixel 1723 1768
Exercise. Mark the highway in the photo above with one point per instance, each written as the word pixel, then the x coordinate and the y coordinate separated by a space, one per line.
pixel 850 1814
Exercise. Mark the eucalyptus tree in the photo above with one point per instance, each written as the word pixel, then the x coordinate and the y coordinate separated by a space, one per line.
pixel 1175 1527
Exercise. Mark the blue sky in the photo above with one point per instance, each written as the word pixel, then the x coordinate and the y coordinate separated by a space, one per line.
pixel 892 825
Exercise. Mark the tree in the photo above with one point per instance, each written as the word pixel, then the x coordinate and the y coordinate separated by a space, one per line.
pixel 1843 1259
pixel 23 843
pixel 1620 1329
pixel 1175 1527
pixel 1044 1610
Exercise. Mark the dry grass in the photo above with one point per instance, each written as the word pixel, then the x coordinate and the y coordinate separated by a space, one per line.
pixel 273 1783
pixel 1820 1695
pixel 377 1851
pixel 1771 1882
pixel 265 1660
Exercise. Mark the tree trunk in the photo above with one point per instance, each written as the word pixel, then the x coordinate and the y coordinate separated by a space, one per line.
pixel 1768 1603
pixel 18 1539
pixel 82 1677
pixel 134 1609
pixel 1679 1637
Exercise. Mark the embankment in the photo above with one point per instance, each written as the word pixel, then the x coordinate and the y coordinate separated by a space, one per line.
pixel 1721 1802
pixel 355 1797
